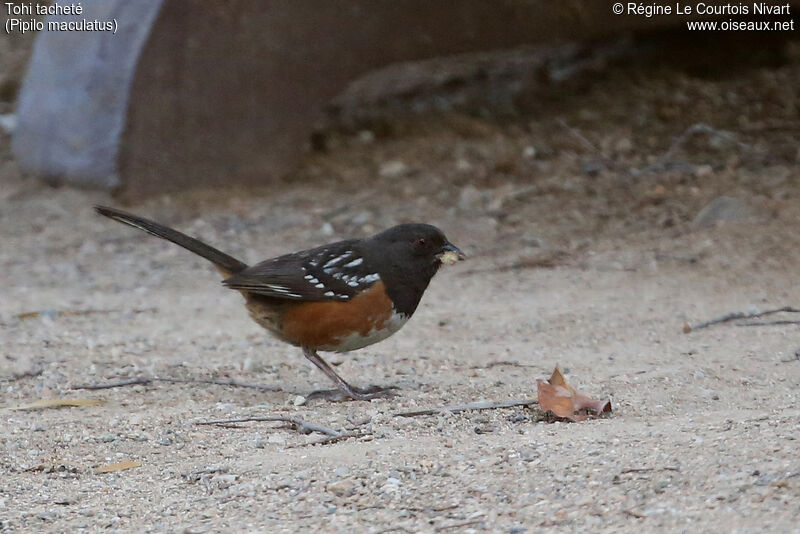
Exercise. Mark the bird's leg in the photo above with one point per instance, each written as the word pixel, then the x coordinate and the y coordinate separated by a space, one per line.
pixel 344 388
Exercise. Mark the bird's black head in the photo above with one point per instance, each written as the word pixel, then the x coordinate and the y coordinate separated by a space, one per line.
pixel 407 257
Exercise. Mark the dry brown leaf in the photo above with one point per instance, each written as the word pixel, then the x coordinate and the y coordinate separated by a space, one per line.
pixel 555 399
pixel 558 379
pixel 559 398
pixel 58 403
pixel 120 466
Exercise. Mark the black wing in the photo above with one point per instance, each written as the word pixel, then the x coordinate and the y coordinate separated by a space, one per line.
pixel 335 272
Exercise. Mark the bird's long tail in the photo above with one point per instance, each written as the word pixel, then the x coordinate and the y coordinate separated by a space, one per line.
pixel 228 265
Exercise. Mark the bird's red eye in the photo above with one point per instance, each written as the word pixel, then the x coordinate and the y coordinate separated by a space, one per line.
pixel 421 242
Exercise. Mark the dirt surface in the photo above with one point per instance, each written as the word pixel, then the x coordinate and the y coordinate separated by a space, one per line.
pixel 577 208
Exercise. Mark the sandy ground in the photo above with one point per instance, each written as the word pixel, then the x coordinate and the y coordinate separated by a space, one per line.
pixel 581 255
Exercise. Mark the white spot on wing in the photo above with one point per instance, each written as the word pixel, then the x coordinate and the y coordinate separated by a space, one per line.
pixel 280 289
pixel 320 285
pixel 356 262
pixel 329 293
pixel 374 277
pixel 333 261
pixel 352 283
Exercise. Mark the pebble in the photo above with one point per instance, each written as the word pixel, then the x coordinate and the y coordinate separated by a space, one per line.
pixel 8 123
pixel 722 209
pixel 366 137
pixel 341 471
pixel 342 487
pixel 393 169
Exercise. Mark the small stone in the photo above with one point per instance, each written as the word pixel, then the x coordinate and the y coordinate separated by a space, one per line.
pixel 624 145
pixel 699 374
pixel 366 137
pixel 393 169
pixel 593 168
pixel 327 228
pixel 342 488
pixel 299 400
pixel 8 123
pixel 529 152
pixel 701 171
pixel 259 443
pixel 722 209
pixel 463 165
pixel 360 218
pixel 341 471
pixel 469 198
pixel 166 442
pixel 357 420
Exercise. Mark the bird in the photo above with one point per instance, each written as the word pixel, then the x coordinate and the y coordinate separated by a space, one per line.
pixel 338 297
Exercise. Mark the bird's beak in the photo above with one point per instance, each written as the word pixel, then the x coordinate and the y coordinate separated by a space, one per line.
pixel 450 254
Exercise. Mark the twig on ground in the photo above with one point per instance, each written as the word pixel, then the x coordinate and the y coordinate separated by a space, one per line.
pixel 111 385
pixel 586 143
pixel 647 469
pixel 64 313
pixel 396 528
pixel 443 508
pixel 480 405
pixel 301 426
pixel 546 259
pixel 668 157
pixel 145 380
pixel 741 315
pixel 328 440
pixel 768 323
pixel 459 525
pixel 509 363
pixel 634 513
pixel 771 127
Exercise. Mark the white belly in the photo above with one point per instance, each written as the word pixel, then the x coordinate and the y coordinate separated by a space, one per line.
pixel 357 341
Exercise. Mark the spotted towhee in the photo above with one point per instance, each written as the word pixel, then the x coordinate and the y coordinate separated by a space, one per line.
pixel 337 297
